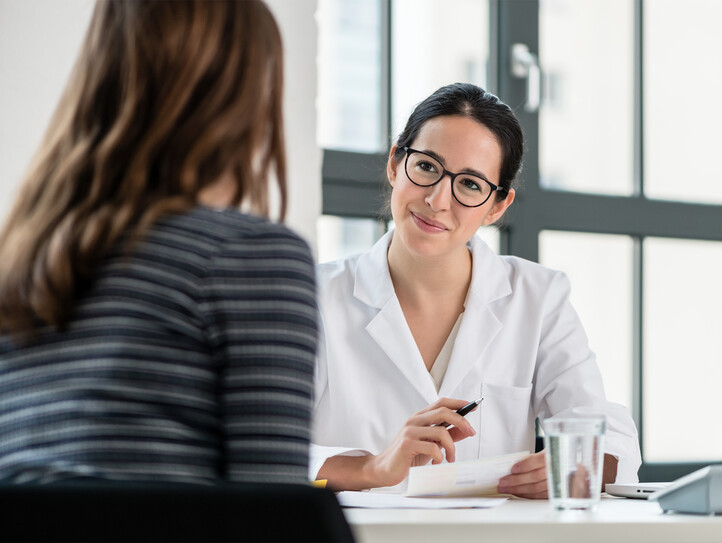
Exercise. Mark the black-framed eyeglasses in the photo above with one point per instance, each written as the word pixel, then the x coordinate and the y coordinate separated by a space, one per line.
pixel 468 189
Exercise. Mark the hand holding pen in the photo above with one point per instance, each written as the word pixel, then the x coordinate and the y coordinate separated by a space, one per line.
pixel 428 435
pixel 463 411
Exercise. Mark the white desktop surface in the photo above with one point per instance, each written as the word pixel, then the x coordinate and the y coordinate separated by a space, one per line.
pixel 616 520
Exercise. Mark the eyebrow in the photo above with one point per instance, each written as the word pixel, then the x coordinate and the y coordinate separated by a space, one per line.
pixel 441 159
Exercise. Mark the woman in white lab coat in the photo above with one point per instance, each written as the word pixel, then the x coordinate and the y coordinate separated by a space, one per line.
pixel 430 319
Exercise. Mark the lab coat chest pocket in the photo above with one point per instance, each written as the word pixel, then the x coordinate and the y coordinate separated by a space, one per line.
pixel 507 422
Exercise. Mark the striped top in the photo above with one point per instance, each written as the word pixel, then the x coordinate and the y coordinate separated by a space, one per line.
pixel 189 359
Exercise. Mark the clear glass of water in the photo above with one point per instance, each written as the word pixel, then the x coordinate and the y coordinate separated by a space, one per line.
pixel 574 453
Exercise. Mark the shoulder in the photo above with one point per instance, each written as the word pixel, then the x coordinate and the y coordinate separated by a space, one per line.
pixel 520 270
pixel 228 226
pixel 219 234
pixel 336 279
pixel 513 279
pixel 364 277
pixel 503 270
pixel 337 270
pixel 537 286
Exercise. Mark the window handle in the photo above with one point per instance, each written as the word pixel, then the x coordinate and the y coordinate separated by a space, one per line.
pixel 525 65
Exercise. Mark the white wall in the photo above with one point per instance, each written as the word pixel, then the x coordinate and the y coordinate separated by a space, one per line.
pixel 39 40
pixel 298 26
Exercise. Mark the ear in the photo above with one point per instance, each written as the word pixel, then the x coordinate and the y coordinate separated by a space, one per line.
pixel 391 166
pixel 500 206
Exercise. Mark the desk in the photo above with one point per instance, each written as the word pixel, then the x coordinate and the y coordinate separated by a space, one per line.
pixel 616 520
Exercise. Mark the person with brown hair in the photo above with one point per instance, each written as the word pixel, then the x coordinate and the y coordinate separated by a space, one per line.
pixel 150 329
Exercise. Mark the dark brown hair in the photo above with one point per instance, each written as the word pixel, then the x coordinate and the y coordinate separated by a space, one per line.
pixel 165 98
pixel 470 101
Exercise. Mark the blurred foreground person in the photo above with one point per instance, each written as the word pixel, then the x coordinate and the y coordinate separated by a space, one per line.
pixel 150 330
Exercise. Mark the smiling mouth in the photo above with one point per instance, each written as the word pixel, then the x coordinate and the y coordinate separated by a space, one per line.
pixel 427 224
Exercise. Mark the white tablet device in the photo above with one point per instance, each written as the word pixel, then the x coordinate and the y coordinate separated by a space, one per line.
pixel 634 490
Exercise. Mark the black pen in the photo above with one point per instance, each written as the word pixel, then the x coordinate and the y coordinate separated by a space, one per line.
pixel 468 408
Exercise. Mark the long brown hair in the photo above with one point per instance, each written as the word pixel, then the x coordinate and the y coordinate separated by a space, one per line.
pixel 165 98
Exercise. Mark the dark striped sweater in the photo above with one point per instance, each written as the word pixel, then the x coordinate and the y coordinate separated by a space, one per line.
pixel 190 360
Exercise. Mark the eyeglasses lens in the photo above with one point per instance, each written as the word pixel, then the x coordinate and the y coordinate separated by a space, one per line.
pixel 423 169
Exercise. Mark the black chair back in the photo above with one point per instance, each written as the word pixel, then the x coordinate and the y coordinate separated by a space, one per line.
pixel 86 512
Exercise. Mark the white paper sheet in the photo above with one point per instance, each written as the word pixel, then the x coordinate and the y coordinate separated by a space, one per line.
pixel 468 478
pixel 385 500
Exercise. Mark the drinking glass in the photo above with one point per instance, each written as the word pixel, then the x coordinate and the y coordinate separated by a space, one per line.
pixel 574 459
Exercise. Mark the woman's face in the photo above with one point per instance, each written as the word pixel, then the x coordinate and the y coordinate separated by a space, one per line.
pixel 429 221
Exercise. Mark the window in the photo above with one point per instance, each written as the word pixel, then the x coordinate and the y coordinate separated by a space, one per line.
pixel 349 97
pixel 683 349
pixel 619 167
pixel 432 44
pixel 682 75
pixel 602 295
pixel 586 127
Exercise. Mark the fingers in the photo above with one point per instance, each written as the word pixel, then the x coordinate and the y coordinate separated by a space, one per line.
pixel 443 416
pixel 457 434
pixel 438 436
pixel 528 478
pixel 412 446
pixel 444 402
pixel 530 463
pixel 532 484
pixel 430 449
pixel 524 479
pixel 422 439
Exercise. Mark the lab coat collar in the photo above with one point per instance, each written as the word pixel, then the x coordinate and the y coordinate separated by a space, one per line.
pixel 489 274
pixel 388 328
pixel 373 286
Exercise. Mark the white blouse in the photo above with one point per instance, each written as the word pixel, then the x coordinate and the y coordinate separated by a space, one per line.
pixel 438 370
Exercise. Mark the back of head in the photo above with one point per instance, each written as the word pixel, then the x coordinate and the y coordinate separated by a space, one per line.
pixel 165 99
pixel 468 100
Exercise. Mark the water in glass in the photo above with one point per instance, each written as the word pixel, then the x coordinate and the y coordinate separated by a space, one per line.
pixel 574 459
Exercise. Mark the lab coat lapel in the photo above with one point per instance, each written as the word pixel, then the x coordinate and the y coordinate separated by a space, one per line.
pixel 388 328
pixel 390 331
pixel 479 325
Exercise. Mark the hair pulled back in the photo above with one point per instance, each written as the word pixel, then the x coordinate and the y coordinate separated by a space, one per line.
pixel 468 100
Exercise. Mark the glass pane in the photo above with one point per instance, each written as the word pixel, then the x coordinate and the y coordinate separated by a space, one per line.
pixel 586 123
pixel 349 75
pixel 434 44
pixel 682 368
pixel 682 78
pixel 600 268
pixel 339 237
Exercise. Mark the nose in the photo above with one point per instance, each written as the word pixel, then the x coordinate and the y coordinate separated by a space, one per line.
pixel 439 196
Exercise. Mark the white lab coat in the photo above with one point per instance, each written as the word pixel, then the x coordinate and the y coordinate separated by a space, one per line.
pixel 520 346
